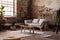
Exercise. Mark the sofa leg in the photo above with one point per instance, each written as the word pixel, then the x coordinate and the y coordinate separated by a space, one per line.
pixel 40 29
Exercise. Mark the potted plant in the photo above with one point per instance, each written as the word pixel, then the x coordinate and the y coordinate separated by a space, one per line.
pixel 1 14
pixel 2 21
pixel 58 16
pixel 1 10
pixel 58 20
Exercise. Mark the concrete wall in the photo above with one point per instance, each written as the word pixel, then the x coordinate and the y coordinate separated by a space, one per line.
pixel 46 9
pixel 55 4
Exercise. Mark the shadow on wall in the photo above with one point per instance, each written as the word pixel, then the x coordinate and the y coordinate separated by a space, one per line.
pixel 44 12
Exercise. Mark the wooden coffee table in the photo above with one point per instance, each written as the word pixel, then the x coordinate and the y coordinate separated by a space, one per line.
pixel 27 27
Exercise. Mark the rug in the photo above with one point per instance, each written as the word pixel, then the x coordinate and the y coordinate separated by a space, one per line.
pixel 55 37
pixel 34 37
pixel 28 37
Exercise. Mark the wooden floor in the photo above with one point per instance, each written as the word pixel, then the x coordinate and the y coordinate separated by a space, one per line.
pixel 8 33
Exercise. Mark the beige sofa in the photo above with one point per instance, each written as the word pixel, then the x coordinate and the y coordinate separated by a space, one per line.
pixel 35 23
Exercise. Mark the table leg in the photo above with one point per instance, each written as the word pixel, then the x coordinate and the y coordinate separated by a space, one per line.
pixel 21 28
pixel 24 29
pixel 33 29
pixel 30 29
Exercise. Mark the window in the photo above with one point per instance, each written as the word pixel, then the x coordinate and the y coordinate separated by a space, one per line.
pixel 9 7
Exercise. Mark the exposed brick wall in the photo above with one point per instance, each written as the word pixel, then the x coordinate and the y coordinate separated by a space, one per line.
pixel 22 8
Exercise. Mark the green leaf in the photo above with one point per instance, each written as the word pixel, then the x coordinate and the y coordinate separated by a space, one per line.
pixel 2 10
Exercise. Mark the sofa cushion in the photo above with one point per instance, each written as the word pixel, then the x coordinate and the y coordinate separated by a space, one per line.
pixel 27 21
pixel 35 20
pixel 41 21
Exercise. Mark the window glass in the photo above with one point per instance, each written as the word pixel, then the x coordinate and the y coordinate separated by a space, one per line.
pixel 8 7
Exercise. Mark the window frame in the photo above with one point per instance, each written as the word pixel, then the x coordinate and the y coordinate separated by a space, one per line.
pixel 14 8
